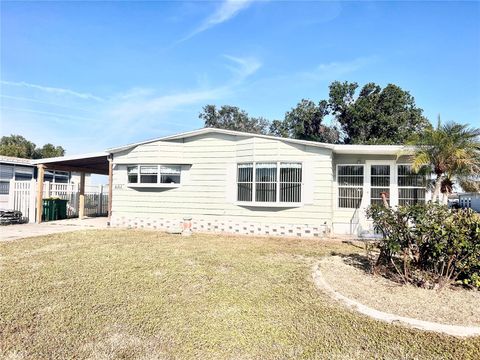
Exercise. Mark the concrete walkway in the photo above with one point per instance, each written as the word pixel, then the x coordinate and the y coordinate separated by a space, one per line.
pixel 14 232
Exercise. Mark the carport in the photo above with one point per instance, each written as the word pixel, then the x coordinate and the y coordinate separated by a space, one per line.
pixel 93 163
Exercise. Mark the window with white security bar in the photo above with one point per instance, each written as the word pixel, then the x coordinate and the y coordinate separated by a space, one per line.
pixel 411 186
pixel 154 174
pixel 379 183
pixel 350 186
pixel 269 182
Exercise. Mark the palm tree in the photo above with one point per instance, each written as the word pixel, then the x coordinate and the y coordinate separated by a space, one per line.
pixel 450 151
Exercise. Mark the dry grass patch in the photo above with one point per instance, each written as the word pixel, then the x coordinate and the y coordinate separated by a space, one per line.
pixel 348 275
pixel 145 295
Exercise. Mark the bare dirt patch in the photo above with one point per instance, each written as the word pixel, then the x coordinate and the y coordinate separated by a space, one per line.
pixel 450 306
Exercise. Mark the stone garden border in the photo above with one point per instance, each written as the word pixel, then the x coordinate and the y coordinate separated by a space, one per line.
pixel 454 330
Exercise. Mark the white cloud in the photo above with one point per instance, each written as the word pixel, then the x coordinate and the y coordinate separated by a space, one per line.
pixel 141 107
pixel 115 119
pixel 131 109
pixel 245 66
pixel 53 90
pixel 50 114
pixel 226 11
pixel 336 69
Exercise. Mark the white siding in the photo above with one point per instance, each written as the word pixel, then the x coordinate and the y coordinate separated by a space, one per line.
pixel 206 184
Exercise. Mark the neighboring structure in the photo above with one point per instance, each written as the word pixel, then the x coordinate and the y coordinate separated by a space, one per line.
pixel 229 181
pixel 469 200
pixel 24 169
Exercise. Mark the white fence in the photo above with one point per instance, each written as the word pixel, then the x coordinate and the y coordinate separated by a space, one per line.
pixel 23 197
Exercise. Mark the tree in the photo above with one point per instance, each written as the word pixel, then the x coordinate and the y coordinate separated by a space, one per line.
pixel 305 122
pixel 451 151
pixel 376 116
pixel 470 184
pixel 18 146
pixel 49 150
pixel 232 118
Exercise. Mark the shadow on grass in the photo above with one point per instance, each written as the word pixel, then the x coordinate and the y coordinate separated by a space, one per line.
pixel 359 261
pixel 366 263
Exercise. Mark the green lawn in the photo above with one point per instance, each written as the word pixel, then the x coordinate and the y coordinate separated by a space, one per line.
pixel 136 294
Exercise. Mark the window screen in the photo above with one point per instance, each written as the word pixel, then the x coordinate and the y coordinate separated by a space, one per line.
pixel 411 186
pixel 350 186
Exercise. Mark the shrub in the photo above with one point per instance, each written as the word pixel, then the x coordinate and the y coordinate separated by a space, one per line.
pixel 428 244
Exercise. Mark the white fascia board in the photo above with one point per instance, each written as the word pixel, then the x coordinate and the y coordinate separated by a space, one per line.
pixel 373 149
pixel 70 157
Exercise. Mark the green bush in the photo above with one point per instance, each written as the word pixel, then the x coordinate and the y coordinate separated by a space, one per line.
pixel 428 244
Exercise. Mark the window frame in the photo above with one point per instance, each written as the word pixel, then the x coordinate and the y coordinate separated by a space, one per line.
pixel 277 202
pixel 399 187
pixel 249 165
pixel 392 178
pixel 158 183
pixel 338 186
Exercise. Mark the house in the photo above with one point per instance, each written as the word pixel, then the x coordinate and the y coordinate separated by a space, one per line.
pixel 469 200
pixel 254 184
pixel 14 168
pixel 234 182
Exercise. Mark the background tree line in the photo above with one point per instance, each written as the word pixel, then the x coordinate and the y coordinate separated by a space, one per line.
pixel 18 146
pixel 374 115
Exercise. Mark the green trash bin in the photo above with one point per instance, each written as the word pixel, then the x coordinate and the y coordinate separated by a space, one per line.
pixel 48 210
pixel 62 208
pixel 54 209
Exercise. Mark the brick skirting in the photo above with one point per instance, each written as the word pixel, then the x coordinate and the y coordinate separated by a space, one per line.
pixel 228 226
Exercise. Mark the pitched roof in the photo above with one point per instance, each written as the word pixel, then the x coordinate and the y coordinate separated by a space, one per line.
pixel 340 149
pixel 218 131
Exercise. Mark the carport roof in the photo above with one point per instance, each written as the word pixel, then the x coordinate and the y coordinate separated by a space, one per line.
pixel 95 163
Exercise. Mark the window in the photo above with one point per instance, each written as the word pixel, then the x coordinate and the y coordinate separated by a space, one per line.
pixel 153 174
pixel 132 172
pixel 411 186
pixel 269 182
pixel 148 174
pixel 266 182
pixel 350 186
pixel 6 172
pixel 23 173
pixel 245 182
pixel 170 174
pixel 290 182
pixel 4 187
pixel 56 176
pixel 379 183
pixel 62 177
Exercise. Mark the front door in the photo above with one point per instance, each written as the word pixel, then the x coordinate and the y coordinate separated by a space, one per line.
pixel 379 178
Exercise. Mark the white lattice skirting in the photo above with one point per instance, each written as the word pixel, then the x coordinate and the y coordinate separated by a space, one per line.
pixel 222 226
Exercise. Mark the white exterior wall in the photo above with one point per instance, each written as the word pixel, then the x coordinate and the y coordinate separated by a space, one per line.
pixel 208 187
pixel 75 179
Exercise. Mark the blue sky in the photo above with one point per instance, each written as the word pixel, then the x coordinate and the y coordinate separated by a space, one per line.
pixel 93 75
